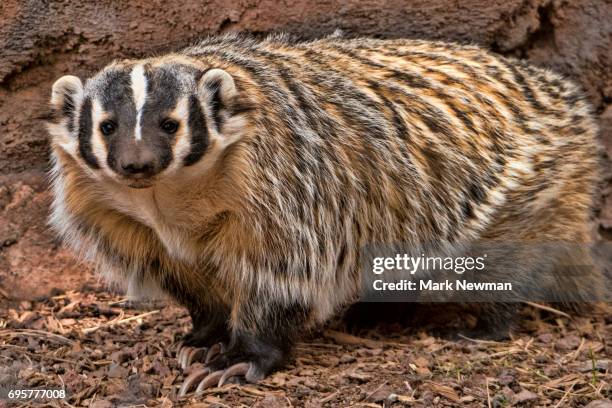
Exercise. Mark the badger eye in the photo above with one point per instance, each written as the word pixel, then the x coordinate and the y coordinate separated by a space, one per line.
pixel 107 127
pixel 169 126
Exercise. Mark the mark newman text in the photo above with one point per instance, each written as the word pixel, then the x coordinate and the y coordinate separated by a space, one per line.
pixel 457 285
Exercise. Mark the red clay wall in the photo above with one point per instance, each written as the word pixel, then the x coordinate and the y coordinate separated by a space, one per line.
pixel 42 40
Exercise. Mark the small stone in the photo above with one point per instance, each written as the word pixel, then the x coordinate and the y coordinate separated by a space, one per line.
pixel 360 377
pixel 329 361
pixel 505 379
pixel 545 338
pixel 272 401
pixel 599 404
pixel 507 393
pixel 278 379
pixel 541 358
pixel 102 404
pixel 568 343
pixel 120 356
pixel 600 365
pixel 25 305
pixel 116 371
pixel 551 371
pixel 6 379
pixel 381 394
pixel 422 362
pixel 295 381
pixel 525 396
pixel 347 358
pixel 310 383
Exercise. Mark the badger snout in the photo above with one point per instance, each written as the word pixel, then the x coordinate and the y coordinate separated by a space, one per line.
pixel 139 164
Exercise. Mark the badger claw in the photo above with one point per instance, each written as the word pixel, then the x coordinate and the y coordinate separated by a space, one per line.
pixel 193 378
pixel 221 377
pixel 240 369
pixel 216 379
pixel 210 380
pixel 194 355
pixel 181 354
pixel 213 351
pixel 187 355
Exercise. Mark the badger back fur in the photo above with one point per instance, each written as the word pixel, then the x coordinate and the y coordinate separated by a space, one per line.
pixel 289 157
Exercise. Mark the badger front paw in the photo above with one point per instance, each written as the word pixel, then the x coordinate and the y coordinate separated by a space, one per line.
pixel 248 358
pixel 203 342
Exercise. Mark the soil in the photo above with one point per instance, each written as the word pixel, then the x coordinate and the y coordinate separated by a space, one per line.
pixel 106 352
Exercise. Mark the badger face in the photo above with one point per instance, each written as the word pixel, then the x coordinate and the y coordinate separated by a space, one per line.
pixel 139 123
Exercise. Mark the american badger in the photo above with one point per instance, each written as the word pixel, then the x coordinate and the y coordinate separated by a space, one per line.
pixel 242 177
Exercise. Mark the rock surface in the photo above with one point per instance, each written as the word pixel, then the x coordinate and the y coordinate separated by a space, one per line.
pixel 42 40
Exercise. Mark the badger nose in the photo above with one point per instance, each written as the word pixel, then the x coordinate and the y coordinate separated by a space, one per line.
pixel 138 167
pixel 137 163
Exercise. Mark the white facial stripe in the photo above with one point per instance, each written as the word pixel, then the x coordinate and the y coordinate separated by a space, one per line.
pixel 139 90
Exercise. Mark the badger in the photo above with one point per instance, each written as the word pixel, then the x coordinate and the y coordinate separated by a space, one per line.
pixel 242 177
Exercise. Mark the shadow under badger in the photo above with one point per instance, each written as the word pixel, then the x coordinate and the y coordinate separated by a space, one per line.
pixel 242 177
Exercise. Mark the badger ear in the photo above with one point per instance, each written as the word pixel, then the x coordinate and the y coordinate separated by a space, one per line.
pixel 217 93
pixel 66 95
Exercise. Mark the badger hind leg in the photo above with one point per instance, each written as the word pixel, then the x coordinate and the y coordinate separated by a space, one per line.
pixel 495 320
pixel 564 275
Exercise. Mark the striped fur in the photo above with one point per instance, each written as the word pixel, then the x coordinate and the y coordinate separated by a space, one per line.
pixel 327 146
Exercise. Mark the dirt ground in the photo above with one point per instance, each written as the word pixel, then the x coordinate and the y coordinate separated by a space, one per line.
pixel 108 353
pixel 41 40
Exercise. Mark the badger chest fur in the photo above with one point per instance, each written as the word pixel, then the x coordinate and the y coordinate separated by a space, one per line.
pixel 242 177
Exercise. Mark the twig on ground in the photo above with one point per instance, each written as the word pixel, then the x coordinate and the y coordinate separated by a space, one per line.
pixel 349 339
pixel 329 397
pixel 548 309
pixel 373 392
pixel 488 393
pixel 117 322
pixel 478 340
pixel 566 394
pixel 33 332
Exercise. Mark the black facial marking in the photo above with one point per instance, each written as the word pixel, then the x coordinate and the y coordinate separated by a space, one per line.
pixel 68 110
pixel 163 91
pixel 216 104
pixel 117 95
pixel 117 100
pixel 85 133
pixel 165 155
pixel 199 133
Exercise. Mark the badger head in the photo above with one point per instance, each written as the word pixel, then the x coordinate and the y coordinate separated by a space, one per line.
pixel 141 122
